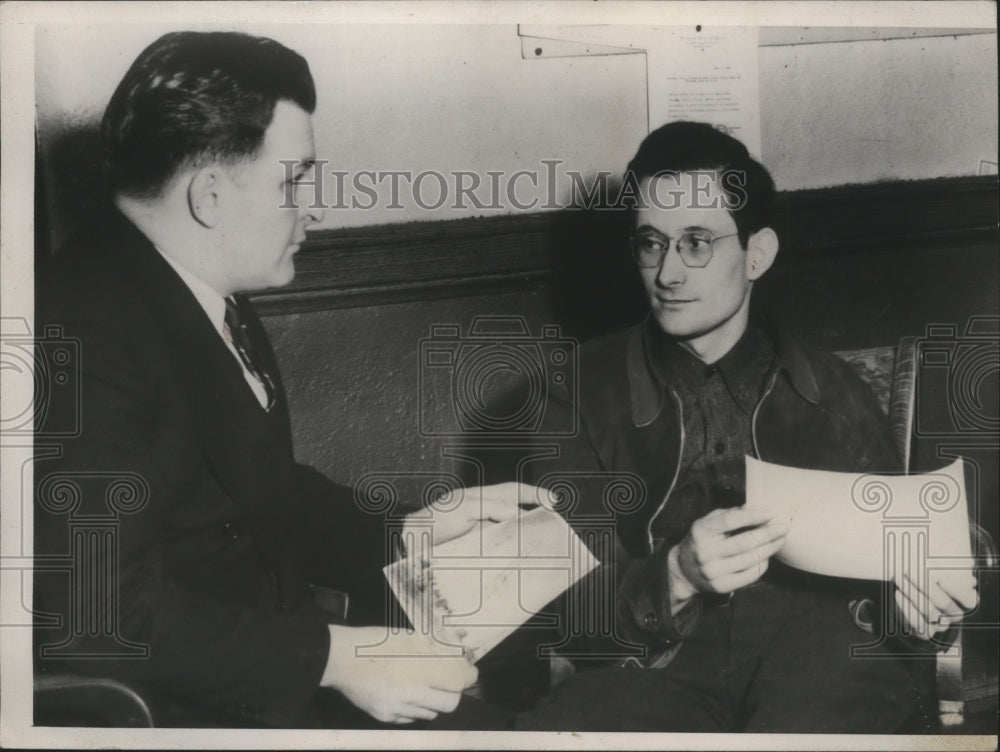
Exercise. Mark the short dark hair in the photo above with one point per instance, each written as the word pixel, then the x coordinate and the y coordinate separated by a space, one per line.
pixel 684 146
pixel 192 97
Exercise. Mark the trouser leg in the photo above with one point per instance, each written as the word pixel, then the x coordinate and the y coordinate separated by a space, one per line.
pixel 689 695
pixel 806 680
pixel 624 699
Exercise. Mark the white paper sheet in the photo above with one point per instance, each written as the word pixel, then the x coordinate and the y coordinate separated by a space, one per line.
pixel 708 76
pixel 475 590
pixel 866 526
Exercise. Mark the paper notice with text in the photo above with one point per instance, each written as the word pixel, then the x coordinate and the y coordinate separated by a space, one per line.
pixel 698 72
pixel 708 75
pixel 474 591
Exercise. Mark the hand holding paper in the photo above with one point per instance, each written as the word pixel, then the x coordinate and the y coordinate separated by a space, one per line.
pixel 469 593
pixel 458 512
pixel 942 602
pixel 411 680
pixel 912 530
pixel 723 551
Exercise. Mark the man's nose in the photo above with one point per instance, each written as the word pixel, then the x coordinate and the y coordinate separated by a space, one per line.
pixel 672 270
pixel 311 214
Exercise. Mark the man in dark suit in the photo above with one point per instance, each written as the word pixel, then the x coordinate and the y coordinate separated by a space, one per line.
pixel 211 541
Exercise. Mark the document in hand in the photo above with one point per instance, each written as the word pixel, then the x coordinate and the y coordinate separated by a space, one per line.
pixel 862 525
pixel 473 591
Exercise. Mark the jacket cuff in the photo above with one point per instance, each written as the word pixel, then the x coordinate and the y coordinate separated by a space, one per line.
pixel 300 666
pixel 645 603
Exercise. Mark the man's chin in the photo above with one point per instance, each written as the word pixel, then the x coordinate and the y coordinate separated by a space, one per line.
pixel 285 273
pixel 278 279
pixel 675 326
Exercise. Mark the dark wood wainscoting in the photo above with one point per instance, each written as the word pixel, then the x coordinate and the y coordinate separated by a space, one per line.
pixel 896 254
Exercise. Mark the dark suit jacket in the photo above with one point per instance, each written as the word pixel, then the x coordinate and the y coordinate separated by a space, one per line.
pixel 209 574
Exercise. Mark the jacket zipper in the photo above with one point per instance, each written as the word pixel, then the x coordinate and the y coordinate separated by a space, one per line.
pixel 756 410
pixel 677 470
pixel 662 660
pixel 680 450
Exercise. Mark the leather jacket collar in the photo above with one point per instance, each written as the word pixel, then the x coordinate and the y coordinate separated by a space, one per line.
pixel 646 389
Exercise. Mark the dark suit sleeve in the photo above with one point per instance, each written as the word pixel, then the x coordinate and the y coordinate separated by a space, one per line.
pixel 224 653
pixel 345 544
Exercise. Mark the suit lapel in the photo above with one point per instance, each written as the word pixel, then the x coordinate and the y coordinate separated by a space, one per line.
pixel 249 450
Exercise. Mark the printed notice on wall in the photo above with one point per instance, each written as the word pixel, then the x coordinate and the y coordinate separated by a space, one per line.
pixel 710 76
pixel 704 73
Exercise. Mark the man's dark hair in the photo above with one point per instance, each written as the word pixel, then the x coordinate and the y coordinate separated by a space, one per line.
pixel 194 97
pixel 684 146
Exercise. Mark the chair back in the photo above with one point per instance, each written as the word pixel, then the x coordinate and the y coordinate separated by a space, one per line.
pixel 892 374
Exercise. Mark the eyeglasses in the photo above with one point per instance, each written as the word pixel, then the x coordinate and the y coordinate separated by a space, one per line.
pixel 695 248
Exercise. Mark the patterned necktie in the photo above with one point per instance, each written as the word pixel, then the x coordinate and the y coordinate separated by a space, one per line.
pixel 244 348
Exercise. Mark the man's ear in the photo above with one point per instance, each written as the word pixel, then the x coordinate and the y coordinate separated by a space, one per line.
pixel 762 248
pixel 204 196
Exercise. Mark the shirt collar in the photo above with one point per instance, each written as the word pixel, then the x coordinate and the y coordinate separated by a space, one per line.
pixel 211 301
pixel 745 367
pixel 742 369
pixel 647 387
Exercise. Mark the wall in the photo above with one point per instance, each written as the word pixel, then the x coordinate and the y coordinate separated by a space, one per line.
pixel 353 378
pixel 459 97
pixel 860 112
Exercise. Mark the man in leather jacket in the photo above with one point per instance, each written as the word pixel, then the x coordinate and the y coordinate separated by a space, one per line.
pixel 673 406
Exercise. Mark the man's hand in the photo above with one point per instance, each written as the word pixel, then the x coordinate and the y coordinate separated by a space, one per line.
pixel 950 593
pixel 456 514
pixel 723 551
pixel 391 688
